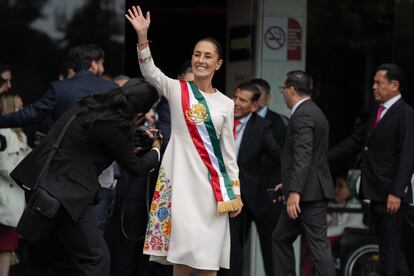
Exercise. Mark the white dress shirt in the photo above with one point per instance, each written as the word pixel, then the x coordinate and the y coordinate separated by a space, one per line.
pixel 240 131
pixel 298 103
pixel 263 111
pixel 387 105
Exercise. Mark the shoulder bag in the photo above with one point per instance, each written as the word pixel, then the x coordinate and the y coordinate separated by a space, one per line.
pixel 40 212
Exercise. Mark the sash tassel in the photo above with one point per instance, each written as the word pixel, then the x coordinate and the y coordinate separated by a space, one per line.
pixel 229 206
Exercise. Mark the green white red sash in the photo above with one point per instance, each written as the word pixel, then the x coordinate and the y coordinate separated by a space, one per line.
pixel 198 119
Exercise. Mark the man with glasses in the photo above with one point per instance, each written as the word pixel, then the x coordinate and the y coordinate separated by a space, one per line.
pixel 306 180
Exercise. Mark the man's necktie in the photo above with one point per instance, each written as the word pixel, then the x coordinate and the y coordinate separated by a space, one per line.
pixel 380 109
pixel 236 124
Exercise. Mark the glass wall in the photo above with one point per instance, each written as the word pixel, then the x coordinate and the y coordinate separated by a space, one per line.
pixel 347 40
pixel 35 37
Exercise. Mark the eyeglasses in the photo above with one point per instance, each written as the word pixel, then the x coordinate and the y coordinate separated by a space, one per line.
pixel 282 88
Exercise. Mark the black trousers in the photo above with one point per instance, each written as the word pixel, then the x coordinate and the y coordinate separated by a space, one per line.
pixel 77 248
pixel 312 224
pixel 408 237
pixel 388 230
pixel 239 231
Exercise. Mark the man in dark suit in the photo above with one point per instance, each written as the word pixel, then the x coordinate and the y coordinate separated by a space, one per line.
pixel 254 139
pixel 88 62
pixel 278 121
pixel 386 142
pixel 270 170
pixel 306 179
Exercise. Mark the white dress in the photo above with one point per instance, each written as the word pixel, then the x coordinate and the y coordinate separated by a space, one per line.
pixel 184 226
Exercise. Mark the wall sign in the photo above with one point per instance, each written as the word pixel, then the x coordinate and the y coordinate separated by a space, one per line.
pixel 282 39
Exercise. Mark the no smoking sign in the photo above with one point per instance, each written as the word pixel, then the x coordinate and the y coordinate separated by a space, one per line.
pixel 275 38
pixel 282 38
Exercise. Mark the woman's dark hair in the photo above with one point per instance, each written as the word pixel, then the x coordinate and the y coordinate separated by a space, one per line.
pixel 217 44
pixel 121 104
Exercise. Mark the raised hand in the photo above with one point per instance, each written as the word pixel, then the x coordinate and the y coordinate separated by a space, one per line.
pixel 139 21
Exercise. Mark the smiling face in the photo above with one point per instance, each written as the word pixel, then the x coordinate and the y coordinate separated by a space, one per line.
pixel 244 103
pixel 205 60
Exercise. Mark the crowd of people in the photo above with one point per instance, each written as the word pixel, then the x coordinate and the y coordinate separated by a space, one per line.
pixel 164 176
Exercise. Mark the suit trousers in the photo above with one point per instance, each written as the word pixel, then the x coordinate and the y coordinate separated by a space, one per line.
pixel 408 237
pixel 77 248
pixel 100 211
pixel 388 229
pixel 239 230
pixel 313 225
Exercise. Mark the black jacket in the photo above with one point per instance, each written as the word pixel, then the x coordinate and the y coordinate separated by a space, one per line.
pixel 84 153
pixel 270 170
pixel 279 127
pixel 305 166
pixel 387 153
pixel 257 142
pixel 60 97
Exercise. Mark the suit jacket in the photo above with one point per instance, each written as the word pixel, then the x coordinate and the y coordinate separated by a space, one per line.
pixel 256 142
pixel 387 153
pixel 305 166
pixel 279 127
pixel 83 154
pixel 61 96
pixel 270 170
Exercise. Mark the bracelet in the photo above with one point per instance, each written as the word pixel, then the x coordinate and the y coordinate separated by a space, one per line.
pixel 145 60
pixel 143 43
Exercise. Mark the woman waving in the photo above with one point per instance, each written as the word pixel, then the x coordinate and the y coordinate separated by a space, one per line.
pixel 198 181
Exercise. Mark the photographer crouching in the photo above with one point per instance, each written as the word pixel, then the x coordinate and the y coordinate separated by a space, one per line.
pixel 61 174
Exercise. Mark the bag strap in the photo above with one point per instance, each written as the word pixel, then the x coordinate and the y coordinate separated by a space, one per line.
pixel 52 152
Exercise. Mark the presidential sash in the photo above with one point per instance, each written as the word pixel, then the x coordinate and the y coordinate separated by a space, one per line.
pixel 200 125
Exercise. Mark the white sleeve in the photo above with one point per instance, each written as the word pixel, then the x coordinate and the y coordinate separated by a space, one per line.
pixel 153 74
pixel 9 156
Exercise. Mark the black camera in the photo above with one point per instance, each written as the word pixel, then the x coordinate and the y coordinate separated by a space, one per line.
pixel 142 140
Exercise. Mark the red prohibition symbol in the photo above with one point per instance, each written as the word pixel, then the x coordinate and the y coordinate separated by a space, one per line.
pixel 275 38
